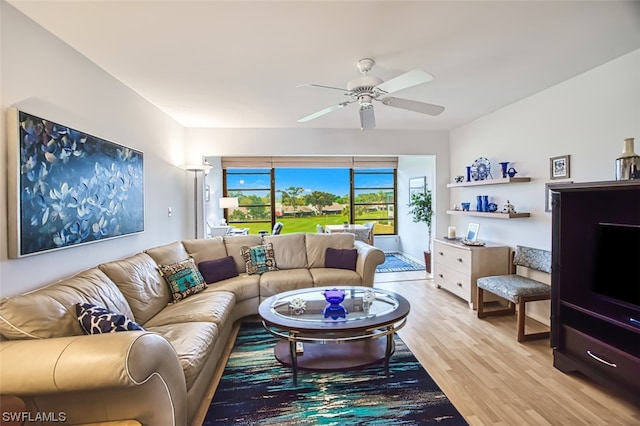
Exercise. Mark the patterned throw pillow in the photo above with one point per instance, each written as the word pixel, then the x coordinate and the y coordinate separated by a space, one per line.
pixel 183 278
pixel 259 259
pixel 98 320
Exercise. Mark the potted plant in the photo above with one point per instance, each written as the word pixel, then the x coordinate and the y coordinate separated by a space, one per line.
pixel 422 211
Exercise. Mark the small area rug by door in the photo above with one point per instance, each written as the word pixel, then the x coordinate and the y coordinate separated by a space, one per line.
pixel 395 262
pixel 256 389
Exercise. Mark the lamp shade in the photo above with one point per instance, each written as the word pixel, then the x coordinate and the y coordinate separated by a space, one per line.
pixel 228 202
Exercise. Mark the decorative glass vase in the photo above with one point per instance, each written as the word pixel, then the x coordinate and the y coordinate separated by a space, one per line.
pixel 468 173
pixel 479 203
pixel 628 164
pixel 504 166
pixel 334 309
pixel 485 203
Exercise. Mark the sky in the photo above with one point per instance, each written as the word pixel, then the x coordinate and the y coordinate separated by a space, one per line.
pixel 333 181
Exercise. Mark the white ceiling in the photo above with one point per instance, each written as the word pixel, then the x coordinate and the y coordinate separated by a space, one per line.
pixel 237 63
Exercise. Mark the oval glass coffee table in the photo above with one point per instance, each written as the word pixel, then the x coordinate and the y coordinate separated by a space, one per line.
pixel 318 335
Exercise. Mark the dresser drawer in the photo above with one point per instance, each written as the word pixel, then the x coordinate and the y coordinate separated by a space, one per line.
pixel 454 281
pixel 605 359
pixel 458 258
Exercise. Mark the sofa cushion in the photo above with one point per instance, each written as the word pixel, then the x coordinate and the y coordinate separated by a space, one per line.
pixel 206 306
pixel 193 342
pixel 184 279
pixel 278 281
pixel 168 253
pixel 139 279
pixel 205 248
pixel 234 245
pixel 50 311
pixel 259 259
pixel 317 245
pixel 243 286
pixel 218 269
pixel 98 320
pixel 289 250
pixel 341 258
pixel 330 277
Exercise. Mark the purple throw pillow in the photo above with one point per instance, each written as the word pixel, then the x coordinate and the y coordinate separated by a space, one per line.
pixel 341 258
pixel 218 269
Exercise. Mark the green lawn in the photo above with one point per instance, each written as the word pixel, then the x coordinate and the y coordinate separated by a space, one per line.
pixel 308 224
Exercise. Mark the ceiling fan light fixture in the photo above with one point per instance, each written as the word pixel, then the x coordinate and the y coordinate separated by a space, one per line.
pixel 367 118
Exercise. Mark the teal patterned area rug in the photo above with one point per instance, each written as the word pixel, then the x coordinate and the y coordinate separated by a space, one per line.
pixel 256 389
pixel 396 262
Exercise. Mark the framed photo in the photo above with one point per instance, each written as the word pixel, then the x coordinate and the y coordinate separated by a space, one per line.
pixel 417 185
pixel 559 167
pixel 472 232
pixel 67 187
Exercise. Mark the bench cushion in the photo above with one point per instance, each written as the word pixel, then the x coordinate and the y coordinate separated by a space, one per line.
pixel 533 258
pixel 512 287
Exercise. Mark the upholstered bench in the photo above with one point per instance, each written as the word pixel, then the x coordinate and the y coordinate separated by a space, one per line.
pixel 519 289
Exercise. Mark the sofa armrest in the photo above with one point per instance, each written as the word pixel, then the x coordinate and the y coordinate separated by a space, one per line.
pixel 369 257
pixel 126 375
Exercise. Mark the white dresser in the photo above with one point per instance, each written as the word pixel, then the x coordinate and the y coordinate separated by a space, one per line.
pixel 457 266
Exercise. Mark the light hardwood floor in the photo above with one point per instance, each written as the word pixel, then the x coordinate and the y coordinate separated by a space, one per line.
pixel 490 377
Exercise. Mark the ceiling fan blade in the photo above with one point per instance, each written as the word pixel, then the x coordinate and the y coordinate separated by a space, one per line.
pixel 421 107
pixel 323 87
pixel 367 118
pixel 403 81
pixel 322 112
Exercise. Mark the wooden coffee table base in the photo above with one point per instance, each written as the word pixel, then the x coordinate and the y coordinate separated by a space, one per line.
pixel 334 356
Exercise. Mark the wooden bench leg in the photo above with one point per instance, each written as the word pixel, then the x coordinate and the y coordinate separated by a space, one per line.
pixel 522 337
pixel 509 310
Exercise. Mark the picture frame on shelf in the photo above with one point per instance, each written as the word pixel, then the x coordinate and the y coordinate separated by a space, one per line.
pixel 472 232
pixel 559 167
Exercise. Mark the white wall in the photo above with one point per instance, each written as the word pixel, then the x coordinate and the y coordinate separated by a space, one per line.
pixel 586 117
pixel 421 153
pixel 44 76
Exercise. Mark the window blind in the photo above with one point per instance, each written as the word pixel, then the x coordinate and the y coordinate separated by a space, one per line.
pixel 311 161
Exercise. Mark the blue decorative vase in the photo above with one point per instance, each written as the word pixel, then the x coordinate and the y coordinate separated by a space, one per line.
pixel 468 173
pixel 485 203
pixel 479 203
pixel 504 168
pixel 334 309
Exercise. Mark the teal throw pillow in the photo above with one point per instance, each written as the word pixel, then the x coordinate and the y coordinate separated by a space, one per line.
pixel 184 279
pixel 259 259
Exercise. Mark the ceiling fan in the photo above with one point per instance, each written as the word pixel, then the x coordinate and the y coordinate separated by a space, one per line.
pixel 369 88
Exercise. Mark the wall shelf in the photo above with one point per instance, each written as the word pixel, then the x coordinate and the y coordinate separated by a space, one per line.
pixel 495 215
pixel 489 182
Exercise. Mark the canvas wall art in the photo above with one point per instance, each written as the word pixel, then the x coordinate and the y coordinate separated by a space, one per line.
pixel 67 187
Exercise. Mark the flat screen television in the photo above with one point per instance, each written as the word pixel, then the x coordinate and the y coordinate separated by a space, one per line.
pixel 617 264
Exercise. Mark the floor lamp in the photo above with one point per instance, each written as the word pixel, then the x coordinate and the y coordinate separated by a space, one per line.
pixel 195 168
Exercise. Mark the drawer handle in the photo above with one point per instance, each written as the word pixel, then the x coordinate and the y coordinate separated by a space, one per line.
pixel 459 259
pixel 610 364
pixel 441 276
pixel 441 253
pixel 459 284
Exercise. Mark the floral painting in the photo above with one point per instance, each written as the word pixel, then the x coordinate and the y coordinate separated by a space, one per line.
pixel 73 188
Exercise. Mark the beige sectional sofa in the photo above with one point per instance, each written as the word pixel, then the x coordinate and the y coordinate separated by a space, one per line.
pixel 157 376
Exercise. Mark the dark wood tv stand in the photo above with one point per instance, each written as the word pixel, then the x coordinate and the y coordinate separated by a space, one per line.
pixel 591 334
